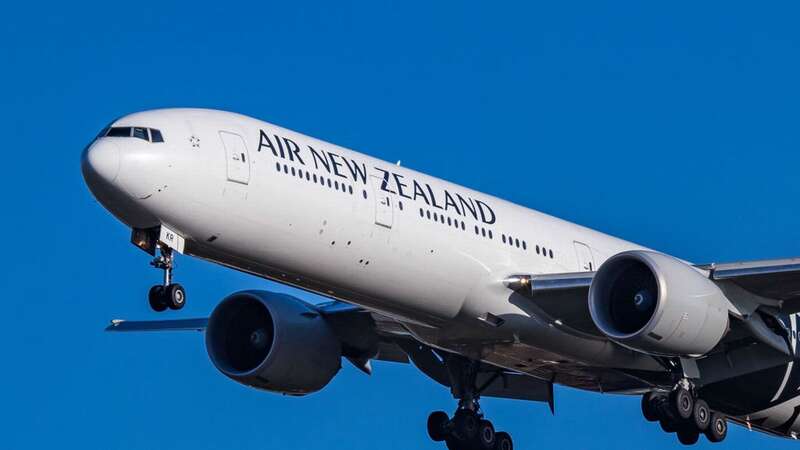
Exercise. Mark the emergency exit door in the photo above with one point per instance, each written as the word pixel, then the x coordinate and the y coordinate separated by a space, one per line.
pixel 585 259
pixel 236 156
pixel 384 208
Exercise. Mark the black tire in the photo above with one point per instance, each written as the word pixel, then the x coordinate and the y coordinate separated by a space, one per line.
pixel 486 435
pixel 466 425
pixel 701 417
pixel 502 441
pixel 649 408
pixel 688 436
pixel 682 403
pixel 718 429
pixel 453 444
pixel 175 296
pixel 668 425
pixel 436 425
pixel 156 298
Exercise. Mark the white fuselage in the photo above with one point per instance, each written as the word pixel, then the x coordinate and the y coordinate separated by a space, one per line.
pixel 429 253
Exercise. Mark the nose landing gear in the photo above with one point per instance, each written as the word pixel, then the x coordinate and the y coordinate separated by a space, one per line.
pixel 167 295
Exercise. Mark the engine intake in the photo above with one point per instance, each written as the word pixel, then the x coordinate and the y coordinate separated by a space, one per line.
pixel 657 304
pixel 273 342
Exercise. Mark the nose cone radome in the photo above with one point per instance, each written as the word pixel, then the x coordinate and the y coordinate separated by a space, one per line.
pixel 100 164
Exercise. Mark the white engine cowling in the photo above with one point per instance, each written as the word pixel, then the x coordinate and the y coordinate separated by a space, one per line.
pixel 657 304
pixel 273 342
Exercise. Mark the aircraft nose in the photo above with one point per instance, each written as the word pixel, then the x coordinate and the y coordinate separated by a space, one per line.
pixel 100 163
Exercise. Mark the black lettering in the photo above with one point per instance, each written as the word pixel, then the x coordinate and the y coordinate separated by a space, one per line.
pixel 484 209
pixel 467 206
pixel 433 197
pixel 323 159
pixel 336 164
pixel 400 185
pixel 418 192
pixel 385 181
pixel 293 149
pixel 265 138
pixel 449 201
pixel 280 147
pixel 358 172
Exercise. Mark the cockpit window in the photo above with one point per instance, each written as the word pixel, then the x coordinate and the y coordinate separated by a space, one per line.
pixel 141 133
pixel 119 132
pixel 155 135
pixel 147 134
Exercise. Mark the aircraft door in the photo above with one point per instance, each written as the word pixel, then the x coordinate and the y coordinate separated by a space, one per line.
pixel 237 158
pixel 384 206
pixel 585 259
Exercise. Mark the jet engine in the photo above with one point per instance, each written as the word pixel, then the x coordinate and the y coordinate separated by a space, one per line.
pixel 273 342
pixel 656 304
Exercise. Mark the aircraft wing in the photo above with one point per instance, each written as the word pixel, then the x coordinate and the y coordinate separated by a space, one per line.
pixel 364 335
pixel 774 283
pixel 563 298
pixel 119 325
pixel 748 284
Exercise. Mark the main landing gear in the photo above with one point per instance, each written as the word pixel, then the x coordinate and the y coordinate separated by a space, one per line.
pixel 683 413
pixel 468 429
pixel 167 295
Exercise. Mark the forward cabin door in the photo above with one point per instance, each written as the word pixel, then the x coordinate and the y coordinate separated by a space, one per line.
pixel 585 259
pixel 384 207
pixel 237 157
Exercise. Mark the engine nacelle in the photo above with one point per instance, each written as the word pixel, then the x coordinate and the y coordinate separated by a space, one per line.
pixel 656 304
pixel 273 342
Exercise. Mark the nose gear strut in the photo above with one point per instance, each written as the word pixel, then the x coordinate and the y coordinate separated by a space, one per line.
pixel 167 295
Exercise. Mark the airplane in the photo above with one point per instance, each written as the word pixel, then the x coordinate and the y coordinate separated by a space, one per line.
pixel 487 298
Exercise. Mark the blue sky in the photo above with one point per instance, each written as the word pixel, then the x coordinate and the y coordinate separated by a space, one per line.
pixel 674 126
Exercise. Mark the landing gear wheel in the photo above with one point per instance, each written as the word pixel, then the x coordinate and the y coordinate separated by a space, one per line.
pixel 502 441
pixel 688 436
pixel 682 403
pixel 668 425
pixel 175 296
pixel 648 407
pixel 436 423
pixel 486 435
pixel 466 425
pixel 718 429
pixel 452 443
pixel 701 416
pixel 156 298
